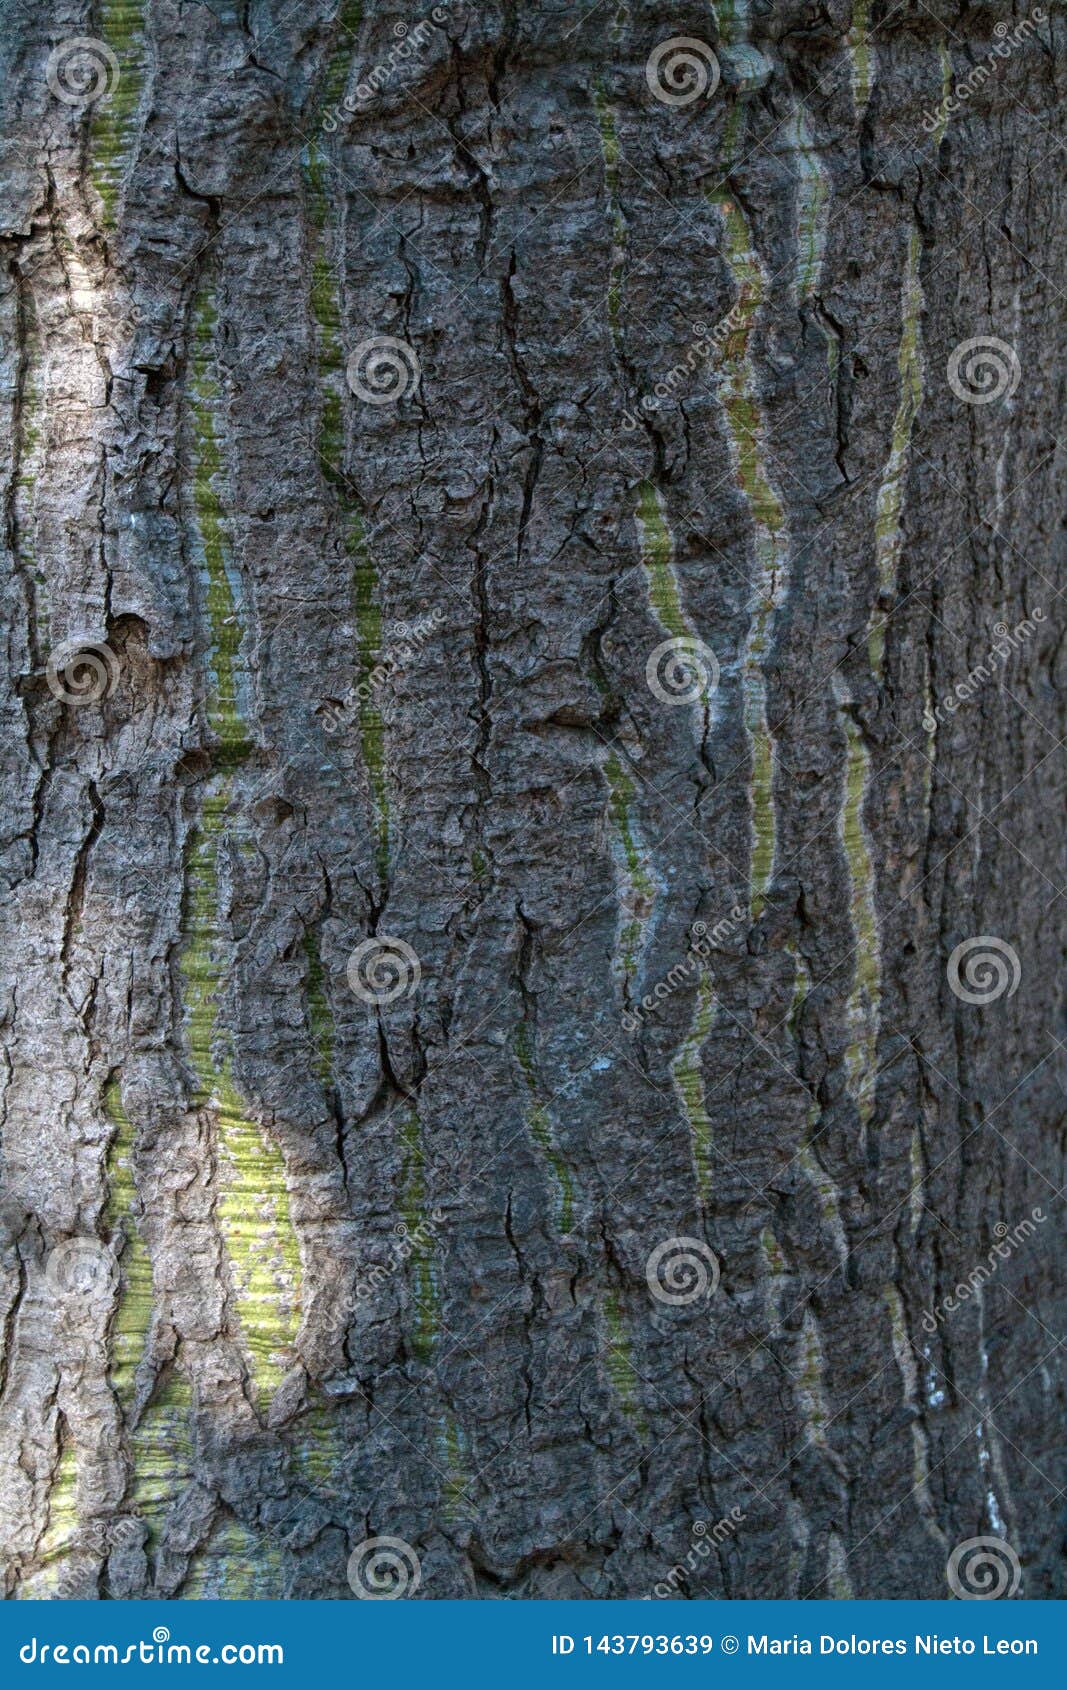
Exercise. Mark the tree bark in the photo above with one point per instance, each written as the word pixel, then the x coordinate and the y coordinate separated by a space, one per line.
pixel 488 1062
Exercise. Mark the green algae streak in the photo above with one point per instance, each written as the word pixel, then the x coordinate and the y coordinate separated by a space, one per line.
pixel 688 1077
pixel 740 398
pixel 253 1208
pixel 812 208
pixel 539 1125
pixel 419 1237
pixel 133 1315
pixel 861 54
pixel 618 1358
pixel 637 886
pixel 864 1000
pixel 326 314
pixel 889 507
pixel 61 1531
pixel 120 25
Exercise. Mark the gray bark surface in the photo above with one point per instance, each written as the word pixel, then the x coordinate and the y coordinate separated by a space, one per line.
pixel 283 1270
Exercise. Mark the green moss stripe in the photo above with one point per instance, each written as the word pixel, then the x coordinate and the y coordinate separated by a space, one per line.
pixel 120 24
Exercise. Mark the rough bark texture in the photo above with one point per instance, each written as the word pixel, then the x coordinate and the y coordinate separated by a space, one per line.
pixel 285 1269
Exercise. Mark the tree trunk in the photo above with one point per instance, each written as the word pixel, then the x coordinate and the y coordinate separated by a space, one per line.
pixel 492 812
